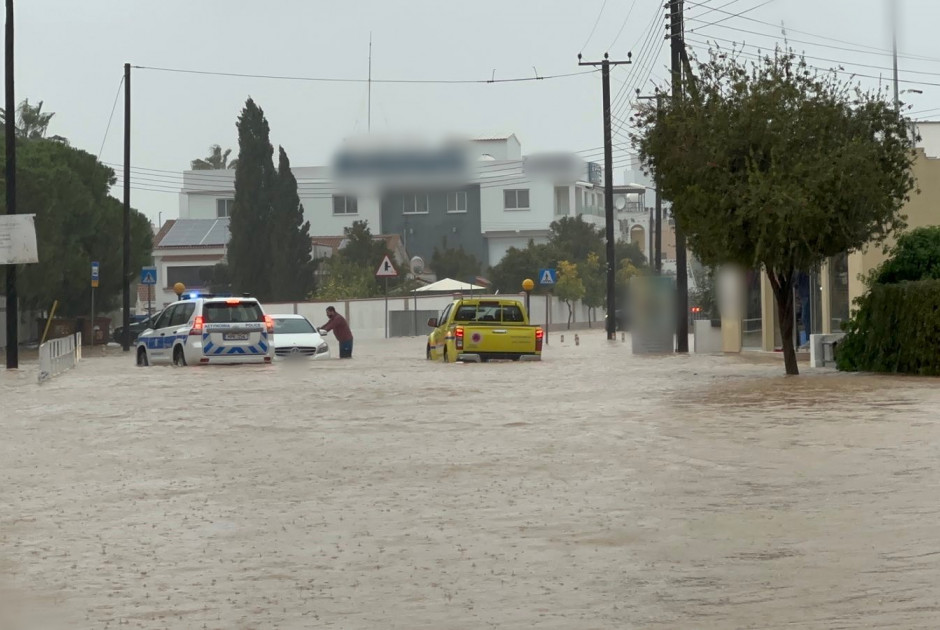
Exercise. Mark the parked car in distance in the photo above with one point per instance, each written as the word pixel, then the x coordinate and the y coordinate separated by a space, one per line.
pixel 479 330
pixel 138 325
pixel 296 338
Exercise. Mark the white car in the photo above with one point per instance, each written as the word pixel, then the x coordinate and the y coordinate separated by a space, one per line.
pixel 296 338
pixel 208 330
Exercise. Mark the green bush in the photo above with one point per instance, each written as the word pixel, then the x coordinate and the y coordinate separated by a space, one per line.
pixel 915 257
pixel 896 329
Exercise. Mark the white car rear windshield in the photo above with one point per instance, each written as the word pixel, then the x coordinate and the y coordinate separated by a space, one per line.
pixel 232 312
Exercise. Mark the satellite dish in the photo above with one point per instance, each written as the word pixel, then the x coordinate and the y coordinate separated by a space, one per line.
pixel 620 202
pixel 417 265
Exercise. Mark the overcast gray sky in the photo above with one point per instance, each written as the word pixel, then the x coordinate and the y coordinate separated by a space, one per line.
pixel 70 54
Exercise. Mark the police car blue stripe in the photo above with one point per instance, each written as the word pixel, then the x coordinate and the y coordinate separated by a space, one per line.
pixel 207 348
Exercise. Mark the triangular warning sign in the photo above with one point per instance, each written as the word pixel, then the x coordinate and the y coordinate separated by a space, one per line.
pixel 149 279
pixel 547 277
pixel 386 269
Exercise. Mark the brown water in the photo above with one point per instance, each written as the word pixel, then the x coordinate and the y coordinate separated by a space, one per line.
pixel 593 490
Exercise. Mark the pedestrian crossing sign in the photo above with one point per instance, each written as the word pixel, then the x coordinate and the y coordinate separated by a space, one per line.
pixel 148 275
pixel 548 276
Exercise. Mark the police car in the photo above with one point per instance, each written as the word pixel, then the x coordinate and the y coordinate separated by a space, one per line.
pixel 205 330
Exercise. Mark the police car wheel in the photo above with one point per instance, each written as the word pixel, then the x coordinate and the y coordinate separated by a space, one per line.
pixel 142 358
pixel 179 359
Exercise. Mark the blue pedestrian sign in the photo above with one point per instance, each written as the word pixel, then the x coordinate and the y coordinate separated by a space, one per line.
pixel 548 276
pixel 94 274
pixel 148 275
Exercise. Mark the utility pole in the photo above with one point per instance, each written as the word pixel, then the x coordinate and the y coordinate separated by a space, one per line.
pixel 370 82
pixel 608 191
pixel 894 47
pixel 676 34
pixel 126 337
pixel 13 316
pixel 658 222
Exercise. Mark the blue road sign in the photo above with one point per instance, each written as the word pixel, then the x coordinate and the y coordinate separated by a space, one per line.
pixel 148 275
pixel 548 276
pixel 94 270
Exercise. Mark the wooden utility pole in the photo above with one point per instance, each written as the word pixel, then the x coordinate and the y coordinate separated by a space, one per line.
pixel 13 316
pixel 676 34
pixel 126 337
pixel 605 65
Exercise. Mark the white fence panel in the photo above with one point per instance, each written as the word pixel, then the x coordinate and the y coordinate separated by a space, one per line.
pixel 58 355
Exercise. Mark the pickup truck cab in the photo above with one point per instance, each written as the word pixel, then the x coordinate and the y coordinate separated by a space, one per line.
pixel 482 329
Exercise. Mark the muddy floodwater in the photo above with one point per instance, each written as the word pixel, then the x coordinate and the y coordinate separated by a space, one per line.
pixel 593 490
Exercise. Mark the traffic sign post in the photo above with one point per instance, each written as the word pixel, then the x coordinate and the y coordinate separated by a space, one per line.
pixel 148 277
pixel 95 277
pixel 548 277
pixel 386 270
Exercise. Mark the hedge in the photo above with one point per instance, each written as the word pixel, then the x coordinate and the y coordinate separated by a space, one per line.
pixel 896 329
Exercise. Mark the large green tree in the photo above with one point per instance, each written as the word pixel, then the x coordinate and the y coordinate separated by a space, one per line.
pixel 249 249
pixel 350 273
pixel 76 223
pixel 291 268
pixel 31 122
pixel 454 262
pixel 593 275
pixel 574 239
pixel 773 165
pixel 519 264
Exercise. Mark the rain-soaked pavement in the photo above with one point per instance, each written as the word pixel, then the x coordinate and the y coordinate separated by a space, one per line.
pixel 593 490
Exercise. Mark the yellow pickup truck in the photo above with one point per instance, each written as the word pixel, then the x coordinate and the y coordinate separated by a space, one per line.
pixel 482 329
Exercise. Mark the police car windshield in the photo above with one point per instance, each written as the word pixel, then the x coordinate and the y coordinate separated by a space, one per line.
pixel 234 312
pixel 291 326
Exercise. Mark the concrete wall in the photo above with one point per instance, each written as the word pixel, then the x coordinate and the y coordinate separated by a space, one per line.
pixel 367 317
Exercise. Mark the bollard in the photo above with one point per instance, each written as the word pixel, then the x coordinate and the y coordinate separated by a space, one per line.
pixel 563 339
pixel 623 337
pixel 577 340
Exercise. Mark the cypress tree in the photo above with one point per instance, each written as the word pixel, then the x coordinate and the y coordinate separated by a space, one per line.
pixel 291 269
pixel 249 249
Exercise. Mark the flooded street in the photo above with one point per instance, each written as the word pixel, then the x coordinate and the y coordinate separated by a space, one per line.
pixel 593 490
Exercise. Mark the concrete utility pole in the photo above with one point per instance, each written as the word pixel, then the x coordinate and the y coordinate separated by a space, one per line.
pixel 126 337
pixel 894 48
pixel 676 35
pixel 605 65
pixel 658 221
pixel 13 316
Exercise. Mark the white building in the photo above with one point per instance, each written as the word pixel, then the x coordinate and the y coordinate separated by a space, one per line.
pixel 481 194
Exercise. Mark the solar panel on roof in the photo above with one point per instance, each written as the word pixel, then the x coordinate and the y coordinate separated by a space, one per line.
pixel 196 233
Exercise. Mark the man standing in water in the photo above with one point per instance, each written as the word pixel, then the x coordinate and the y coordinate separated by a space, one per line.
pixel 340 327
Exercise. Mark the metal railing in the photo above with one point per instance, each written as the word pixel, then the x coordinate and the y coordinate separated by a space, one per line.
pixel 58 355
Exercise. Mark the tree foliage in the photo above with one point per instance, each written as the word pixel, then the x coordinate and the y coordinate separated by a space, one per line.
pixel 217 160
pixel 773 165
pixel 569 287
pixel 455 263
pixel 595 284
pixel 77 222
pixel 269 250
pixel 520 264
pixel 574 240
pixel 350 273
pixel 31 122
pixel 291 266
pixel 915 256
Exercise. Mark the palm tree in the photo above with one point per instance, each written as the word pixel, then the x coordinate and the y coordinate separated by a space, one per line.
pixel 216 160
pixel 31 122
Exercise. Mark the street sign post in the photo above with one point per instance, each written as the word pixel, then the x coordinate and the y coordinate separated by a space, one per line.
pixel 148 277
pixel 548 277
pixel 95 277
pixel 386 270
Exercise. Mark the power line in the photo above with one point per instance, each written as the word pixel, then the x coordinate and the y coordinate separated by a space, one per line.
pixel 594 28
pixel 354 80
pixel 622 26
pixel 710 9
pixel 730 15
pixel 113 107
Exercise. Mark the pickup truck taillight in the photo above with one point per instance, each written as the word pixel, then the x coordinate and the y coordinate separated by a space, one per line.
pixel 539 336
pixel 458 337
pixel 197 325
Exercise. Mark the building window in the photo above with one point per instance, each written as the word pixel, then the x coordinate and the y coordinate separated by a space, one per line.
pixel 562 203
pixel 457 201
pixel 516 199
pixel 344 204
pixel 415 204
pixel 223 208
pixel 191 276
